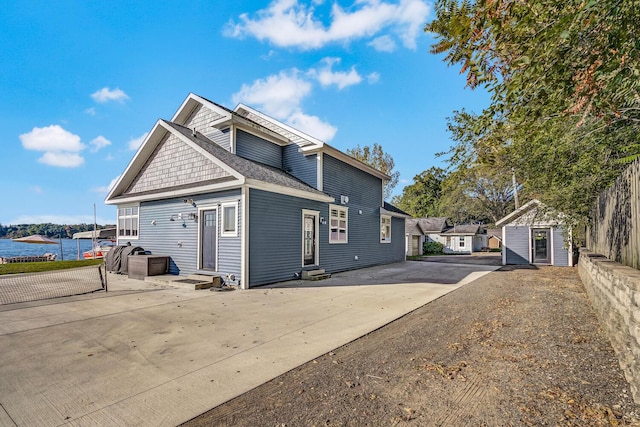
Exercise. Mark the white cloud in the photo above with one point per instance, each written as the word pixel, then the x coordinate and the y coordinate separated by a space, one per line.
pixel 106 188
pixel 313 126
pixel 37 189
pixel 60 146
pixel 373 78
pixel 281 95
pixel 383 44
pixel 327 77
pixel 135 143
pixel 62 159
pixel 105 95
pixel 290 23
pixel 99 142
pixel 278 95
pixel 91 111
pixel 51 138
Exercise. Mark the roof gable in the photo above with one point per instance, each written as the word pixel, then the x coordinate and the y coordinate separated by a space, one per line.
pixel 532 212
pixel 166 162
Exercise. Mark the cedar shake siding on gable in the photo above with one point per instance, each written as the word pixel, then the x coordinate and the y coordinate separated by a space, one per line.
pixel 201 119
pixel 174 164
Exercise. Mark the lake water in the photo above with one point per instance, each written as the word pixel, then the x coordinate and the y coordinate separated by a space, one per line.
pixel 9 248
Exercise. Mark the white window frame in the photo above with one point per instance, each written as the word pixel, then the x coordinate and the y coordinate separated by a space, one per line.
pixel 462 242
pixel 385 224
pixel 223 215
pixel 338 210
pixel 132 217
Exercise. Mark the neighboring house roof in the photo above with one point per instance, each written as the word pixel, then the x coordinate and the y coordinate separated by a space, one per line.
pixel 464 229
pixel 429 225
pixel 432 224
pixel 494 232
pixel 411 224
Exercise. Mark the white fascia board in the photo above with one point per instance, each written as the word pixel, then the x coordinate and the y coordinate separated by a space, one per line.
pixel 203 152
pixel 189 104
pixel 311 140
pixel 279 189
pixel 334 152
pixel 383 211
pixel 139 159
pixel 260 131
pixel 521 210
pixel 229 185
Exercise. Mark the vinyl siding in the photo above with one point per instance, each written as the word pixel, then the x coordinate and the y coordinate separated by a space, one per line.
pixel 179 241
pixel 517 244
pixel 275 220
pixel 302 167
pixel 275 239
pixel 365 199
pixel 220 137
pixel 257 149
pixel 560 253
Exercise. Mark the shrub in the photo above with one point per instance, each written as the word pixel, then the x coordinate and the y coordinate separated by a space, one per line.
pixel 433 248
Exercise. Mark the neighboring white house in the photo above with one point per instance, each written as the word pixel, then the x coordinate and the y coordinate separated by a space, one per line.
pixel 455 239
pixel 464 239
pixel 534 234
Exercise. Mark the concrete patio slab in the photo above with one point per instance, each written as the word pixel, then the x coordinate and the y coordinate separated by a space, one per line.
pixel 144 354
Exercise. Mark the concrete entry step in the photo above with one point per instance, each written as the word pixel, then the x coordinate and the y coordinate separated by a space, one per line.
pixel 314 274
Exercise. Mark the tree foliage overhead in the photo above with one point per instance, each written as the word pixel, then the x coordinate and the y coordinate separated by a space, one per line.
pixel 422 198
pixel 378 159
pixel 564 79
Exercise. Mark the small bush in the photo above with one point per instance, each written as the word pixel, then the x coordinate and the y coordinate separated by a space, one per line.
pixel 433 248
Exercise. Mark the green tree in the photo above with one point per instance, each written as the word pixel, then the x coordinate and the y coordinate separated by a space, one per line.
pixel 378 159
pixel 564 80
pixel 422 198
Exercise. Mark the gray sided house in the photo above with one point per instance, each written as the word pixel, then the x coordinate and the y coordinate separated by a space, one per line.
pixel 236 192
pixel 534 235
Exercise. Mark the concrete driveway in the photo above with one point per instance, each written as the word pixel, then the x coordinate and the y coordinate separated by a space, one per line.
pixel 158 356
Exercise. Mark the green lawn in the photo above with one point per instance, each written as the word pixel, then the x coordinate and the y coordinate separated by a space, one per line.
pixel 35 267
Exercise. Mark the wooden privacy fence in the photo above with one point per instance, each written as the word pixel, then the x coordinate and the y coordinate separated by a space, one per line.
pixel 615 221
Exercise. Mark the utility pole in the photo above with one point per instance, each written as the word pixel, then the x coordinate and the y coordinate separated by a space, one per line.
pixel 515 187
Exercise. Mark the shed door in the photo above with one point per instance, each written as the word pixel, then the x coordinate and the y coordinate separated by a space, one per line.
pixel 541 252
pixel 208 239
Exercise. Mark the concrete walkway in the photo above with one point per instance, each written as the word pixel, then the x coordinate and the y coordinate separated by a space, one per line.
pixel 158 356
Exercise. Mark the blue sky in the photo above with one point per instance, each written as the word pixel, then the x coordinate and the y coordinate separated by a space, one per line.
pixel 82 82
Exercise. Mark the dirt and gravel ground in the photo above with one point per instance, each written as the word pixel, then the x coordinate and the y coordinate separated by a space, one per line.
pixel 518 347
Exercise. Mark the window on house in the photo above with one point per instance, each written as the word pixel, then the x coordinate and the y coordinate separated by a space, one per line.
pixel 229 219
pixel 128 222
pixel 385 229
pixel 338 224
pixel 462 242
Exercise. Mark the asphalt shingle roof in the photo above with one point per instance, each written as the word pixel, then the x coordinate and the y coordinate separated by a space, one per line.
pixel 248 168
